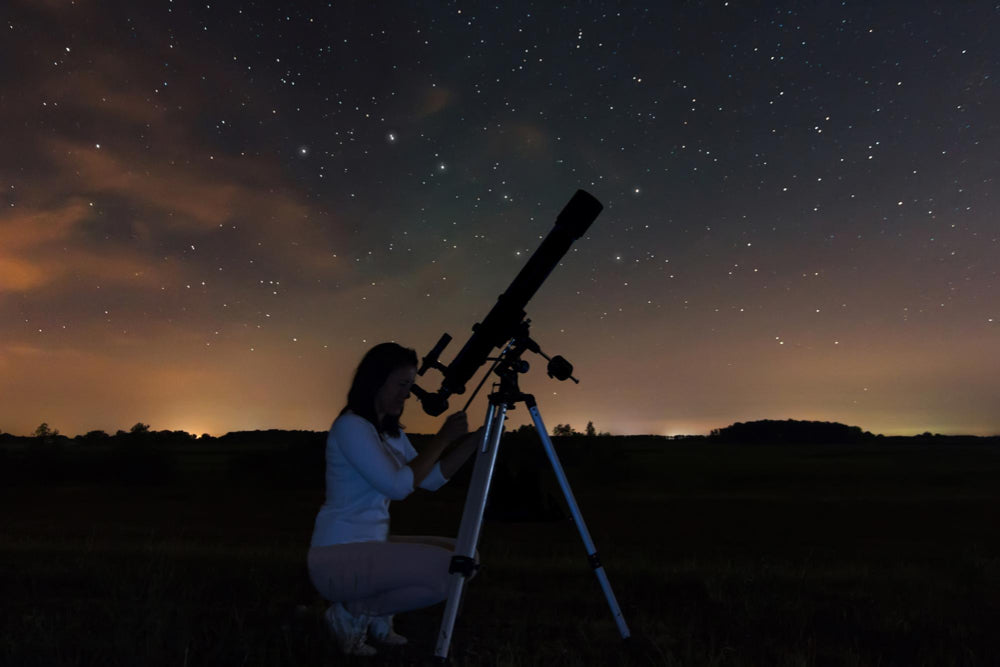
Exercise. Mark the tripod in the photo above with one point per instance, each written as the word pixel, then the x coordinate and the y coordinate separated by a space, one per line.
pixel 463 564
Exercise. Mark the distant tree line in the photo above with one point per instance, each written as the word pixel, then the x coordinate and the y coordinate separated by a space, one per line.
pixel 296 458
pixel 790 431
pixel 567 430
pixel 45 434
pixel 760 431
pixel 144 456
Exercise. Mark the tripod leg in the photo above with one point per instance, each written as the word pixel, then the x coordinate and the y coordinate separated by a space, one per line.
pixel 595 563
pixel 472 520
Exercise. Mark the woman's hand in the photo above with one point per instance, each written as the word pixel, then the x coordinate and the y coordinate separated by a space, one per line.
pixel 454 427
pixel 452 461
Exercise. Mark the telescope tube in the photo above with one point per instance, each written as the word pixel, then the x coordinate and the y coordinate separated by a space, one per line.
pixel 501 323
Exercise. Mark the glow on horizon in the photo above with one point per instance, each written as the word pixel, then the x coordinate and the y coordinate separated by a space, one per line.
pixel 422 424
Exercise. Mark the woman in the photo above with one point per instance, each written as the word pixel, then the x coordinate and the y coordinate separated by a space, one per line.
pixel 367 574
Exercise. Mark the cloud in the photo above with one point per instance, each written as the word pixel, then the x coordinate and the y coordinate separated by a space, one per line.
pixel 40 247
pixel 54 236
pixel 199 200
pixel 24 236
pixel 18 275
pixel 164 176
pixel 29 228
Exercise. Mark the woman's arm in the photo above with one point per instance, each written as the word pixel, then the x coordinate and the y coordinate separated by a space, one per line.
pixel 454 427
pixel 359 444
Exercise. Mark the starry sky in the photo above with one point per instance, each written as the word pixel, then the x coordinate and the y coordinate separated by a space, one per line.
pixel 213 209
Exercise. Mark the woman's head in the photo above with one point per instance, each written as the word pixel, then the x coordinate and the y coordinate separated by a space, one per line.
pixel 381 385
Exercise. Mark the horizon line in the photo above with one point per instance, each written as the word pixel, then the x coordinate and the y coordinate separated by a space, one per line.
pixel 676 436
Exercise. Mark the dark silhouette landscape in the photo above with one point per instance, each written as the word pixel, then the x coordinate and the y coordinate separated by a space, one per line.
pixel 144 455
pixel 770 542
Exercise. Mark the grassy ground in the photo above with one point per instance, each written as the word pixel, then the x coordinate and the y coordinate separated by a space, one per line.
pixel 719 555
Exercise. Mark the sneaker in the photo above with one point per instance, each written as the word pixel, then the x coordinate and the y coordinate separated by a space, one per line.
pixel 349 630
pixel 381 629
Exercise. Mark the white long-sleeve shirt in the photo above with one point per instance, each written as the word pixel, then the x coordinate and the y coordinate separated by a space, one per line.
pixel 364 472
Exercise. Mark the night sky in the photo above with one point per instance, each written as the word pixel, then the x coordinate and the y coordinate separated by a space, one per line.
pixel 212 210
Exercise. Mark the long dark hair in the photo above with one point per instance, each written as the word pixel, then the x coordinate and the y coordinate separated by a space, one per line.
pixel 371 374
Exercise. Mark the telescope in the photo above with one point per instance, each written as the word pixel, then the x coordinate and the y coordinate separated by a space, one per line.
pixel 506 319
pixel 506 326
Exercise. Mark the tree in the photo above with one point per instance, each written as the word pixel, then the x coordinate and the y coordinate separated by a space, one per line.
pixel 139 428
pixel 93 436
pixel 43 431
pixel 563 429
pixel 590 429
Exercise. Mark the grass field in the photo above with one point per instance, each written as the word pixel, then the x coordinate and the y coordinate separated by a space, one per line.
pixel 874 554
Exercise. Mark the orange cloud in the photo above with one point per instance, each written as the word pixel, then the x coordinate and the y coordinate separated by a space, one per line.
pixel 201 201
pixel 26 274
pixel 17 275
pixel 38 248
pixel 29 228
pixel 27 233
pixel 199 198
pixel 171 184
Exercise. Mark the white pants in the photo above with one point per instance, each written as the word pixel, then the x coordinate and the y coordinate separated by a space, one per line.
pixel 380 578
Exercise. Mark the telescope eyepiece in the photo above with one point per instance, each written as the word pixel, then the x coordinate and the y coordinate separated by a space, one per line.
pixel 433 404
